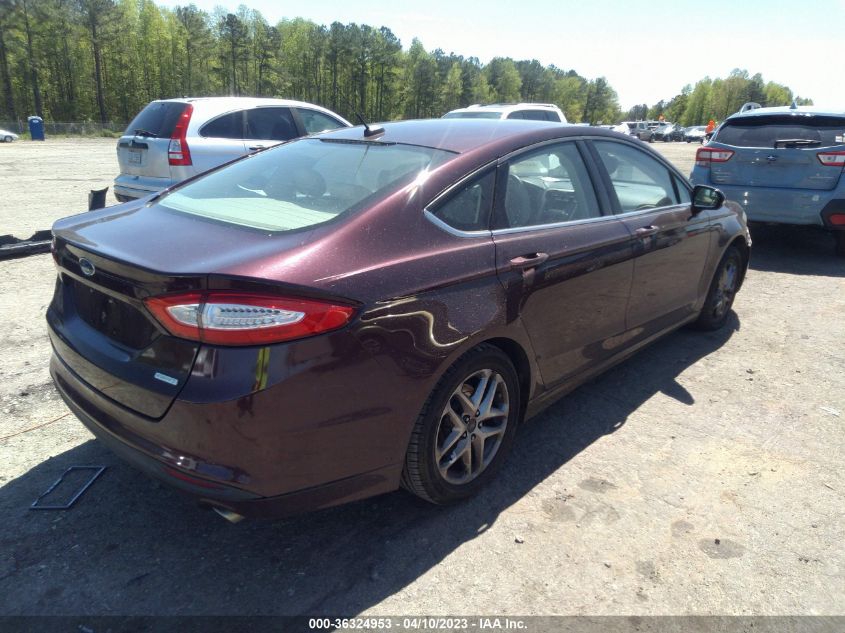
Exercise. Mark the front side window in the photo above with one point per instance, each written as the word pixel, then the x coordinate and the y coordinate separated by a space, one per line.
pixel 314 121
pixel 639 180
pixel 546 186
pixel 270 124
pixel 303 184
pixel 468 209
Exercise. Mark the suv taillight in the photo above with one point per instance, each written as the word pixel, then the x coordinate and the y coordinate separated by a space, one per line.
pixel 832 159
pixel 231 318
pixel 706 155
pixel 178 152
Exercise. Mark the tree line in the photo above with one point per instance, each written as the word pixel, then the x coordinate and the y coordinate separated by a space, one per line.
pixel 103 60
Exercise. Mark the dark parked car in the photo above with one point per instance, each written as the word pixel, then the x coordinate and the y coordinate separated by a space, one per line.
pixel 668 132
pixel 344 314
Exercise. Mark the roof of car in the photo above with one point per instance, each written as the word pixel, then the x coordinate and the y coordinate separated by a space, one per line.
pixel 224 103
pixel 462 135
pixel 789 110
pixel 506 107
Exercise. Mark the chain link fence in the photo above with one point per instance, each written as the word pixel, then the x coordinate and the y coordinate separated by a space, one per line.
pixel 75 128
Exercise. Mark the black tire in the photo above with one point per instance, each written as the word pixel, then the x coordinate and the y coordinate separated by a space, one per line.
pixel 7 139
pixel 422 474
pixel 723 288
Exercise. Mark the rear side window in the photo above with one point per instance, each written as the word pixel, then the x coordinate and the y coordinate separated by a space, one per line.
pixel 547 186
pixel 227 126
pixel 314 121
pixel 157 119
pixel 765 131
pixel 270 124
pixel 639 180
pixel 468 209
pixel 536 115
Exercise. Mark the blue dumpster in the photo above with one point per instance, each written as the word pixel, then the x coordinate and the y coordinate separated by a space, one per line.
pixel 36 128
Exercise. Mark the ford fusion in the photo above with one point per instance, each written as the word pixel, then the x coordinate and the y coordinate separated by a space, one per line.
pixel 372 308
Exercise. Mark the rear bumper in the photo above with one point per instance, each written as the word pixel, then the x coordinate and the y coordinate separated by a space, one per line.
pixel 269 453
pixel 128 187
pixel 778 205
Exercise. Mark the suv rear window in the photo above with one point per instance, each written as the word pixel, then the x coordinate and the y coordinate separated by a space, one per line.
pixel 764 131
pixel 158 119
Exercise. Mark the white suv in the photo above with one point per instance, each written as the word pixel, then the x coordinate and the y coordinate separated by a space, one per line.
pixel 529 111
pixel 174 139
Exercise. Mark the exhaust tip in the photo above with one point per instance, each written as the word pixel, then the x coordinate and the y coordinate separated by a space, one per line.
pixel 229 515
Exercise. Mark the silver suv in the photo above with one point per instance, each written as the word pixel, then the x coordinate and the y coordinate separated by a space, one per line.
pixel 529 111
pixel 174 139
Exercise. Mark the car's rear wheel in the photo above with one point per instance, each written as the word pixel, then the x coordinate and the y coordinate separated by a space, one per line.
pixel 465 429
pixel 723 288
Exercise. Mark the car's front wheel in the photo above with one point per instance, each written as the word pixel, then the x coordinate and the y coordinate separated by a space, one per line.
pixel 7 139
pixel 465 429
pixel 723 288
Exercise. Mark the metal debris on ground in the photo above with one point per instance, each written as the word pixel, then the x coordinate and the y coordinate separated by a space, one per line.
pixel 97 471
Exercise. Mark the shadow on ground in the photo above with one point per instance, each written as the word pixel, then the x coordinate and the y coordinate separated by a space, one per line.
pixel 800 250
pixel 131 546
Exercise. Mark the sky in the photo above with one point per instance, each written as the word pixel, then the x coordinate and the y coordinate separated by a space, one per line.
pixel 647 51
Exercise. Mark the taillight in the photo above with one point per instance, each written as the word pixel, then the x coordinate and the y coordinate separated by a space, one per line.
pixel 228 318
pixel 706 155
pixel 836 219
pixel 178 152
pixel 832 159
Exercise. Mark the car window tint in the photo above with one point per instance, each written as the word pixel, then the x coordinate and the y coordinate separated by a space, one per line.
pixel 547 186
pixel 468 209
pixel 534 115
pixel 314 121
pixel 270 124
pixel 226 126
pixel 552 116
pixel 640 181
pixel 158 118
pixel 516 115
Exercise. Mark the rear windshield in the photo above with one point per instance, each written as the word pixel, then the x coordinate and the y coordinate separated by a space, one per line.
pixel 765 131
pixel 158 119
pixel 304 183
pixel 473 115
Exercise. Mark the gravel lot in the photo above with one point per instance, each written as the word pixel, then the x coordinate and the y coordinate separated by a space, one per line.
pixel 703 476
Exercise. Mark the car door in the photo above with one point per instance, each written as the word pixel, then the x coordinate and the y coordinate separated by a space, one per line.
pixel 671 242
pixel 219 141
pixel 269 125
pixel 564 259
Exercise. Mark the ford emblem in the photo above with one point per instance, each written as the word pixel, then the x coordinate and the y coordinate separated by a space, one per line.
pixel 87 267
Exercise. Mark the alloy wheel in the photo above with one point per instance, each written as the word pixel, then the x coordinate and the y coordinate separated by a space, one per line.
pixel 472 426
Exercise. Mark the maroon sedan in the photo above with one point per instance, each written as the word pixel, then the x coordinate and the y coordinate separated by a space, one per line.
pixel 364 309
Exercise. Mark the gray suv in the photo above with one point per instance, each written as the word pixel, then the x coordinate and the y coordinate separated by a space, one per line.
pixel 173 139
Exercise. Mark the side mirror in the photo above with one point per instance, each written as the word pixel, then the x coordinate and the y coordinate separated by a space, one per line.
pixel 706 198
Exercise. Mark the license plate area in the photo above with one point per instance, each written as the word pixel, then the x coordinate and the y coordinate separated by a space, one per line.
pixel 136 156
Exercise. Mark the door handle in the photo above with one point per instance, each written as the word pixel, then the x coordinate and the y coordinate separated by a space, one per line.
pixel 254 148
pixel 645 231
pixel 529 261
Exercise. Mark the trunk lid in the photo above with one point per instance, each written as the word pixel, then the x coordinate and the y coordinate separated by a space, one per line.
pixel 101 330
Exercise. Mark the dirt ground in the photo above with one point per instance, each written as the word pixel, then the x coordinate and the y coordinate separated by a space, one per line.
pixel 703 476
